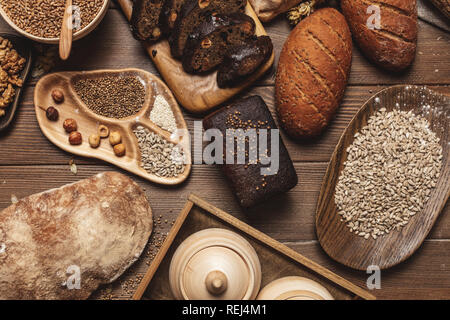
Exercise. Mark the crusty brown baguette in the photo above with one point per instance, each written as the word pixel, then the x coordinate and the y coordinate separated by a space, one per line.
pixel 312 73
pixel 95 228
pixel 393 45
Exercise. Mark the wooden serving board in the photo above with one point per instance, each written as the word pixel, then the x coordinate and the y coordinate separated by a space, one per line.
pixel 276 259
pixel 198 94
pixel 388 250
pixel 88 121
pixel 24 48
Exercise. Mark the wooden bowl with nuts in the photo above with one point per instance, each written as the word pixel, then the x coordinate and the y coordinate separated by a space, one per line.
pixel 40 31
pixel 127 117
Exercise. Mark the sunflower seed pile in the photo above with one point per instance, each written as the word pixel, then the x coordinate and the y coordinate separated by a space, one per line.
pixel 158 156
pixel 393 164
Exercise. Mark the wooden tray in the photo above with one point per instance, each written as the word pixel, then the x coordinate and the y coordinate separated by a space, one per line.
pixel 197 94
pixel 88 121
pixel 24 48
pixel 276 259
pixel 388 250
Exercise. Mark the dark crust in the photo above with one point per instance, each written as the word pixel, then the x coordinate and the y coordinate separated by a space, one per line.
pixel 143 30
pixel 210 28
pixel 191 11
pixel 242 61
pixel 246 182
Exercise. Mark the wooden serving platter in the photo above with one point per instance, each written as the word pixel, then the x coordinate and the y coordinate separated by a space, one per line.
pixel 198 94
pixel 276 259
pixel 391 249
pixel 24 48
pixel 88 121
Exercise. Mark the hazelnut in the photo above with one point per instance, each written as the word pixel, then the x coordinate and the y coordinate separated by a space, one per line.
pixel 103 131
pixel 2 112
pixel 119 150
pixel 75 138
pixel 115 138
pixel 52 114
pixel 156 33
pixel 58 96
pixel 203 3
pixel 94 140
pixel 70 125
pixel 206 43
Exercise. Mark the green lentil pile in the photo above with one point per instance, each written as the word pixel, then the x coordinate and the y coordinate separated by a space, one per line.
pixel 112 96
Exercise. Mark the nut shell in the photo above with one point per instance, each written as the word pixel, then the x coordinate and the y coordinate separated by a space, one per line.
pixel 215 264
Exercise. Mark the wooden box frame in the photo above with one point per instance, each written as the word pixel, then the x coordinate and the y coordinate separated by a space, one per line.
pixel 277 260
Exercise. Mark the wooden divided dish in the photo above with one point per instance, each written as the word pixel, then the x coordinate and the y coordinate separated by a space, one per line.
pixel 197 94
pixel 88 121
pixel 199 222
pixel 389 249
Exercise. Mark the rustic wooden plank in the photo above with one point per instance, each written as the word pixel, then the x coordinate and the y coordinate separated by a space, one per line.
pixel 289 217
pixel 426 275
pixel 25 144
pixel 118 49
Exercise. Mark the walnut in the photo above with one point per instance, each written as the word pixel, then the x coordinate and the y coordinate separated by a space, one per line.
pixel 7 96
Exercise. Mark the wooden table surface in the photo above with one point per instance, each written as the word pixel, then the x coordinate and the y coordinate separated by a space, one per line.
pixel 29 163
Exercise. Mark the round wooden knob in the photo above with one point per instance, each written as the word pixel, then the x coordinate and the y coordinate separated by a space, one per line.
pixel 216 282
pixel 215 264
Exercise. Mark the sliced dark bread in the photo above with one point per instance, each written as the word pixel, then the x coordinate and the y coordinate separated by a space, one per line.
pixel 169 15
pixel 207 45
pixel 241 61
pixel 145 19
pixel 193 13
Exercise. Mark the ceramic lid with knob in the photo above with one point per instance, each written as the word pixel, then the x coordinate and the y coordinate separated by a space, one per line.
pixel 215 264
pixel 294 288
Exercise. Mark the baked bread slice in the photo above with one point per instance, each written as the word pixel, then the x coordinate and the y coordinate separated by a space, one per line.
pixel 65 242
pixel 193 13
pixel 169 15
pixel 207 45
pixel 145 20
pixel 241 61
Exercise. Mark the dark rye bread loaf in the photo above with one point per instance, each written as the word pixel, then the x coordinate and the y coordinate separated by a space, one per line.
pixel 194 12
pixel 241 61
pixel 208 43
pixel 393 46
pixel 145 19
pixel 249 184
pixel 312 73
pixel 169 14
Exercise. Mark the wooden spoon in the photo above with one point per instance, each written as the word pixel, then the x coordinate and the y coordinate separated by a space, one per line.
pixel 65 39
pixel 387 250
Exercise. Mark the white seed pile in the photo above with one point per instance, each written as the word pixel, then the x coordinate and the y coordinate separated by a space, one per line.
pixel 162 114
pixel 393 164
pixel 158 156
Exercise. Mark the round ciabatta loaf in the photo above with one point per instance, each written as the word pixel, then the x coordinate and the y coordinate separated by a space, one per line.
pixel 391 44
pixel 87 233
pixel 312 73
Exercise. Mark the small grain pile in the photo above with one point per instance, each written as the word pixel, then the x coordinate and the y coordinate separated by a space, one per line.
pixel 158 156
pixel 162 114
pixel 43 18
pixel 112 96
pixel 391 168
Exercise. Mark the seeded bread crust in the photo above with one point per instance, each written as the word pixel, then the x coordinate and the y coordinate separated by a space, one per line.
pixel 249 185
pixel 193 13
pixel 207 45
pixel 145 19
pixel 393 46
pixel 312 73
pixel 242 61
